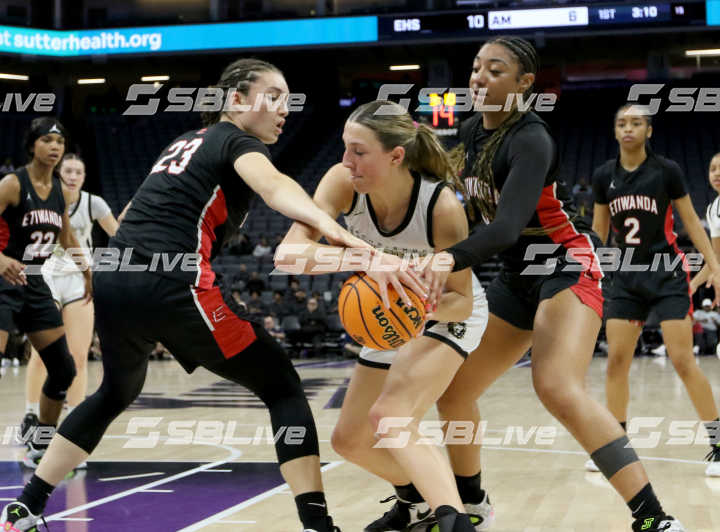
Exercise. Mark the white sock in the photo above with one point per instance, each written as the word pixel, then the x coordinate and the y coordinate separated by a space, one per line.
pixel 32 408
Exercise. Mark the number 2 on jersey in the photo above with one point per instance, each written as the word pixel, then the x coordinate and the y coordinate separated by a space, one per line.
pixel 630 237
pixel 183 148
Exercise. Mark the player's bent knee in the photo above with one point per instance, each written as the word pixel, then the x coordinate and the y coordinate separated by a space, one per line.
pixel 60 369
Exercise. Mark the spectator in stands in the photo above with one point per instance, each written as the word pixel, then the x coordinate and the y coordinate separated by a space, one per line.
pixel 273 328
pixel 262 249
pixel 709 319
pixel 298 303
pixel 255 305
pixel 314 324
pixel 240 245
pixel 255 284
pixel 278 307
pixel 7 167
pixel 241 277
pixel 321 301
pixel 583 197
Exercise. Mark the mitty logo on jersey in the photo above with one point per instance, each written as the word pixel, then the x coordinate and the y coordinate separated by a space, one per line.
pixel 42 216
pixel 633 202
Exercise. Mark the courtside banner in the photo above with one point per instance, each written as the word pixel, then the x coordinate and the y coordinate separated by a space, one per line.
pixel 158 39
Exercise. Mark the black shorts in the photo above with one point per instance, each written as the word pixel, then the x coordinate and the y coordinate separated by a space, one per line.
pixel 28 308
pixel 134 310
pixel 632 295
pixel 515 298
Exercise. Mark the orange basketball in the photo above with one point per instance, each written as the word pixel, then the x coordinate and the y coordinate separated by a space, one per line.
pixel 371 324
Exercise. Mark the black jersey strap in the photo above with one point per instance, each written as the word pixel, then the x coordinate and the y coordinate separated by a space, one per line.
pixel 431 207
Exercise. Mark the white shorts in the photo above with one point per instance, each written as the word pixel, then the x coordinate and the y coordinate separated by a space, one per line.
pixel 463 336
pixel 66 288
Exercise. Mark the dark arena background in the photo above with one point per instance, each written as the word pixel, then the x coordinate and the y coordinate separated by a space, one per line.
pixel 196 452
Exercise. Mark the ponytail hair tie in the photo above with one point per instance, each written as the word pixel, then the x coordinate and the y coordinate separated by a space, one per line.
pixel 415 124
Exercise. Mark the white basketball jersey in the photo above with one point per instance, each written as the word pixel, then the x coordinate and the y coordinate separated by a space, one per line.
pixel 414 234
pixel 713 217
pixel 81 223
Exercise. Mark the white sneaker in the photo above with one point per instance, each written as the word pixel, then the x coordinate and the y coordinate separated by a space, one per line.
pixel 660 350
pixel 713 468
pixel 483 511
pixel 5 362
pixel 591 467
pixel 17 517
pixel 15 362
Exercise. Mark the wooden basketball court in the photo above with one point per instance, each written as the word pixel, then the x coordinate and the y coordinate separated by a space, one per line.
pixel 141 481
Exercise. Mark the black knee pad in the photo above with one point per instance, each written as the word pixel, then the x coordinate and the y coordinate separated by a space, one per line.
pixel 60 368
pixel 292 418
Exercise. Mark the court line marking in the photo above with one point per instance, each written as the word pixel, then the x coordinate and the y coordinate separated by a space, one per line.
pixel 7 499
pixel 583 453
pixel 11 487
pixel 82 519
pixel 158 491
pixel 217 471
pixel 126 477
pixel 234 453
pixel 260 497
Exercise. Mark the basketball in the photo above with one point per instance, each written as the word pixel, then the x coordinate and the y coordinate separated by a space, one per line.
pixel 371 324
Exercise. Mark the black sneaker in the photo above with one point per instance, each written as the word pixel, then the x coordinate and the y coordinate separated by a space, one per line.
pixel 17 518
pixel 27 427
pixel 402 516
pixel 658 523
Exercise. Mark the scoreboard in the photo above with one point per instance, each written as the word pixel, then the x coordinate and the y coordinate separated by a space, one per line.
pixel 483 23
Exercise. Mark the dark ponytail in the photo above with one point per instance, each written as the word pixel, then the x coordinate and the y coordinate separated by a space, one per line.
pixel 484 204
pixel 238 75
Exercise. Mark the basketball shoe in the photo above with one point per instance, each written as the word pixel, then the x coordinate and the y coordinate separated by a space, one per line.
pixel 591 466
pixel 483 511
pixel 27 427
pixel 16 517
pixel 658 523
pixel 402 516
pixel 713 468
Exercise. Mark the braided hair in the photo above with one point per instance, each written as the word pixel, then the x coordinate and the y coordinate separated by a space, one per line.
pixel 484 205
pixel 238 76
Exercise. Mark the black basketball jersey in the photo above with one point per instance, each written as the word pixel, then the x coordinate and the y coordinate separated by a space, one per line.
pixel 555 208
pixel 29 231
pixel 192 201
pixel 641 214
